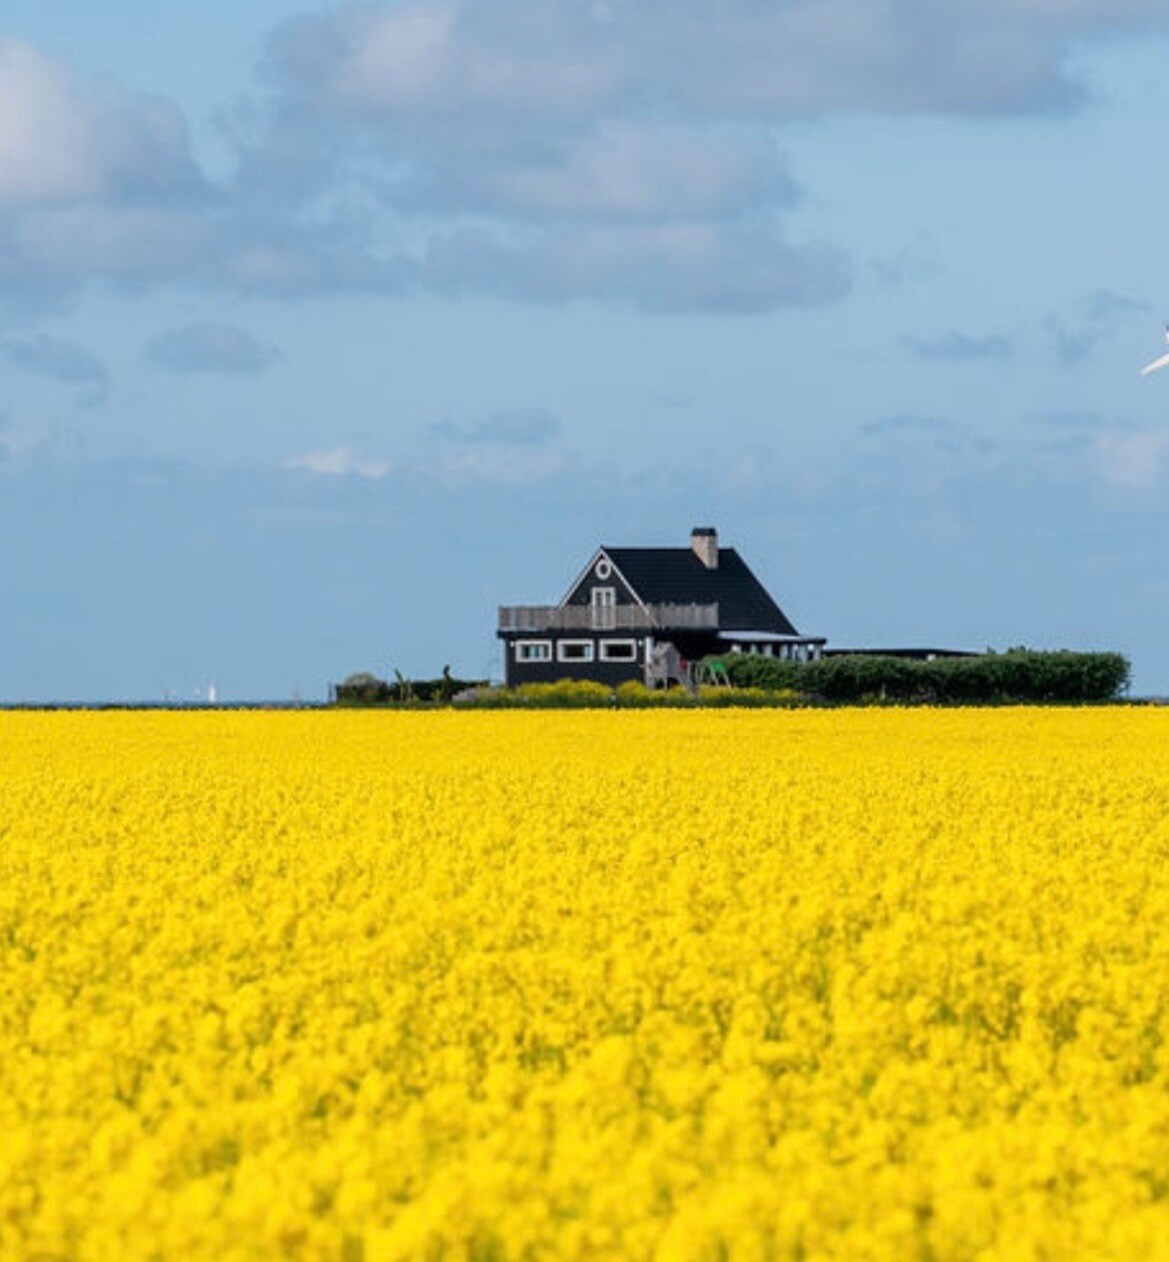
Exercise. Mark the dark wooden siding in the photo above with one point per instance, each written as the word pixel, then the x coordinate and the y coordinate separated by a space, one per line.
pixel 582 593
pixel 692 646
pixel 549 672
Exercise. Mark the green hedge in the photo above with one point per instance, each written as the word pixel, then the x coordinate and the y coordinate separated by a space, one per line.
pixel 1020 675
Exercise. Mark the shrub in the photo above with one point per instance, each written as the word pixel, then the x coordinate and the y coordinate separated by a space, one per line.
pixel 565 693
pixel 1020 675
pixel 364 689
pixel 752 698
pixel 843 679
pixel 630 696
pixel 636 696
pixel 748 670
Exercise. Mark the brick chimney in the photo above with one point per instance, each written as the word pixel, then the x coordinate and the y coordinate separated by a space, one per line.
pixel 704 541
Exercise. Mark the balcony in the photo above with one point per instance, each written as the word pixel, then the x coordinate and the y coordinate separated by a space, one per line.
pixel 549 618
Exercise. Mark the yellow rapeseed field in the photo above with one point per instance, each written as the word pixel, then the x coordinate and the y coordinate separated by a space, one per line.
pixel 683 985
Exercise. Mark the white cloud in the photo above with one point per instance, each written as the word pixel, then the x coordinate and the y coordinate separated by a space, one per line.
pixel 625 149
pixel 211 348
pixel 628 170
pixel 543 150
pixel 1132 459
pixel 96 182
pixel 20 440
pixel 1079 332
pixel 456 465
pixel 500 466
pixel 404 56
pixel 439 58
pixel 122 242
pixel 65 138
pixel 465 57
pixel 960 347
pixel 54 357
pixel 515 427
pixel 339 462
pixel 660 267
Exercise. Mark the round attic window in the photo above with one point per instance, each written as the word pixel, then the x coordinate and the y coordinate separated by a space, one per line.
pixel 604 568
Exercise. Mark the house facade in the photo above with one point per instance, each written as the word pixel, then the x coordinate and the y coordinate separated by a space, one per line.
pixel 646 614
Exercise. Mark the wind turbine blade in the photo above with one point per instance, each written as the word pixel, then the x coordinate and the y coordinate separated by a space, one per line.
pixel 1157 363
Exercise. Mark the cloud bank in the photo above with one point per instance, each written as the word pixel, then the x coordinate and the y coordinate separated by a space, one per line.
pixel 540 150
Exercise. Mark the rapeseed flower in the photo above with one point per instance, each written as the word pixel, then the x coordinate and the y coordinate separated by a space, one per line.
pixel 678 985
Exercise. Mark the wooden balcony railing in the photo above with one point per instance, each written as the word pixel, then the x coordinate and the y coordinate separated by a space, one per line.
pixel 611 618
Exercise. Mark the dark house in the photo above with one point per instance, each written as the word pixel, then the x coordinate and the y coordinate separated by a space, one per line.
pixel 646 614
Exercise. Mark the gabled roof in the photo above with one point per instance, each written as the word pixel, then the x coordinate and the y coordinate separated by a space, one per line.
pixel 676 576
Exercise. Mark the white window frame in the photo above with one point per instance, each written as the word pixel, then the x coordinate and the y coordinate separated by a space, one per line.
pixel 588 655
pixel 608 645
pixel 523 650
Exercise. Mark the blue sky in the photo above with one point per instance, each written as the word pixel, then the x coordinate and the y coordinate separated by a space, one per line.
pixel 323 331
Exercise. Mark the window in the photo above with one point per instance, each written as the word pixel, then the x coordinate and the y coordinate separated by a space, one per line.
pixel 574 651
pixel 604 569
pixel 618 651
pixel 604 604
pixel 533 650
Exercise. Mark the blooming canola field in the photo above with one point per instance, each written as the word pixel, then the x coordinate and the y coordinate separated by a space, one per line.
pixel 642 985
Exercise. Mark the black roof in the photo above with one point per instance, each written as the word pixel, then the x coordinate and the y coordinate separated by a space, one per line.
pixel 676 576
